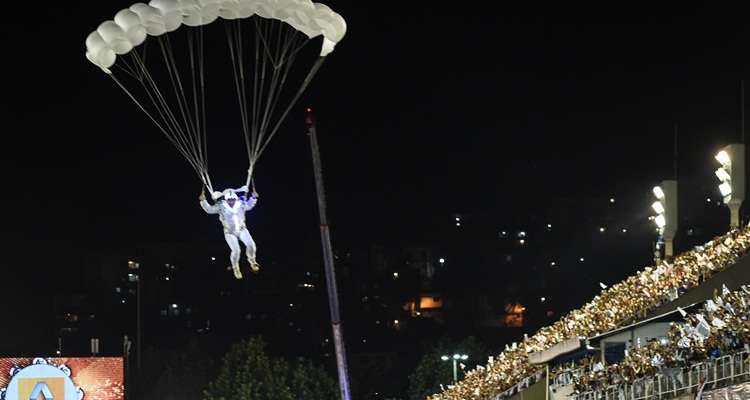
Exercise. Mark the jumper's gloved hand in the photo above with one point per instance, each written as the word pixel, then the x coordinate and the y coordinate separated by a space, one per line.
pixel 202 196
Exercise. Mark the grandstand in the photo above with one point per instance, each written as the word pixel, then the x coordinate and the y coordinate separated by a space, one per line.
pixel 670 331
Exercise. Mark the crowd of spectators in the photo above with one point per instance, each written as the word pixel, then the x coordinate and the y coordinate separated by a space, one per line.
pixel 721 327
pixel 616 306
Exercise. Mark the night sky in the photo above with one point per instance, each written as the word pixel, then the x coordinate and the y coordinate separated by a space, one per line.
pixel 424 111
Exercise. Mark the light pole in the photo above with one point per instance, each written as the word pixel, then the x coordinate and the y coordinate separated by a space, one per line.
pixel 136 267
pixel 455 359
pixel 666 218
pixel 731 174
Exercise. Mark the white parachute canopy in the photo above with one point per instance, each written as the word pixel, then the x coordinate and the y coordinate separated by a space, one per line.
pixel 264 38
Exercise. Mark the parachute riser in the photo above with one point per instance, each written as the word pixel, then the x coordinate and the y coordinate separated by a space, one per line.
pixel 250 174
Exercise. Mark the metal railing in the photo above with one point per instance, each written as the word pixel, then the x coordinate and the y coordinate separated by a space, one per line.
pixel 671 382
pixel 566 377
pixel 520 386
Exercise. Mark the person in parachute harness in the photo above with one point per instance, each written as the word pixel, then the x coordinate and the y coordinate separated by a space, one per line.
pixel 231 209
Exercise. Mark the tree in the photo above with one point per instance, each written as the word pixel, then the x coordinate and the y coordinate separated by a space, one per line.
pixel 433 371
pixel 187 371
pixel 178 373
pixel 311 382
pixel 249 373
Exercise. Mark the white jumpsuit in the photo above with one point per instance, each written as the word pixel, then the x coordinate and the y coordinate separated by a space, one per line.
pixel 233 221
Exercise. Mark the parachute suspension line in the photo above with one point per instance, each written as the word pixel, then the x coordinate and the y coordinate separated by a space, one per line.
pixel 296 48
pixel 239 79
pixel 170 125
pixel 241 69
pixel 200 111
pixel 275 90
pixel 271 92
pixel 197 137
pixel 305 83
pixel 168 115
pixel 259 92
pixel 201 69
pixel 138 103
pixel 158 125
pixel 127 69
pixel 276 48
pixel 287 65
pixel 179 92
pixel 261 62
pixel 197 123
pixel 152 90
pixel 256 93
pixel 266 26
pixel 268 85
pixel 251 138
pixel 282 63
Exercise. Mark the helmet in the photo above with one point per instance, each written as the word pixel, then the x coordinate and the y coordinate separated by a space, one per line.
pixel 229 194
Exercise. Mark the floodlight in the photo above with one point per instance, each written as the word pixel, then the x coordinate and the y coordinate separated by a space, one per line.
pixel 723 158
pixel 732 178
pixel 723 175
pixel 665 207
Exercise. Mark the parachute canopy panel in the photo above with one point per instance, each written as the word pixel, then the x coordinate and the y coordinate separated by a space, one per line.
pixel 131 26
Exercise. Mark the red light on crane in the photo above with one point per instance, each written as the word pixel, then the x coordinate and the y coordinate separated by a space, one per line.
pixel 309 119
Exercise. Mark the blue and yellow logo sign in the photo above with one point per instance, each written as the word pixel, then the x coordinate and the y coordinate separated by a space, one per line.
pixel 42 382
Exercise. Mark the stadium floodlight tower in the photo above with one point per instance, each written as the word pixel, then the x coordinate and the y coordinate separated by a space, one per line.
pixel 731 174
pixel 665 219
